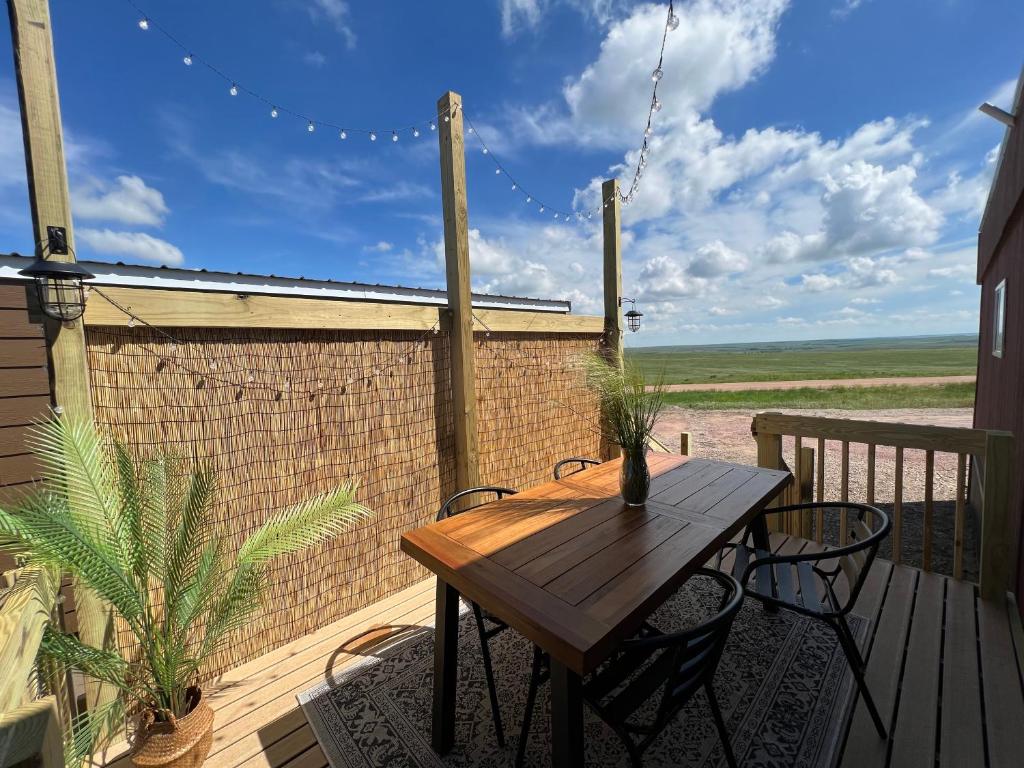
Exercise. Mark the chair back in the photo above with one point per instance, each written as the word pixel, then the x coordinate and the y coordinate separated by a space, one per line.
pixel 573 465
pixel 451 508
pixel 866 529
pixel 695 652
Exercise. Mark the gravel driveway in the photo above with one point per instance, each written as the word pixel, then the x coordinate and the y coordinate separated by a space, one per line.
pixel 726 435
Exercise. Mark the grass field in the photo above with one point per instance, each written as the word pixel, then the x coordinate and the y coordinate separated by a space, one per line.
pixel 843 398
pixel 794 361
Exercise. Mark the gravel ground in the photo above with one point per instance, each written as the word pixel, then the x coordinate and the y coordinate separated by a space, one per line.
pixel 726 435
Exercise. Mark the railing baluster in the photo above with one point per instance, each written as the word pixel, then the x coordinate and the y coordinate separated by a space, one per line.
pixel 820 522
pixel 897 510
pixel 926 534
pixel 871 479
pixel 793 524
pixel 844 494
pixel 958 520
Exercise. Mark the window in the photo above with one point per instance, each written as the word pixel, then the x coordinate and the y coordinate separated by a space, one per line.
pixel 999 320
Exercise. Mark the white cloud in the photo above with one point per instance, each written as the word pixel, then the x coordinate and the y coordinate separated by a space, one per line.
pixel 663 278
pixel 314 59
pixel 336 13
pixel 381 246
pixel 127 201
pixel 131 245
pixel 715 259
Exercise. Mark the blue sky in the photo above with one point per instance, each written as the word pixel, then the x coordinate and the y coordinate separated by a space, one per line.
pixel 818 170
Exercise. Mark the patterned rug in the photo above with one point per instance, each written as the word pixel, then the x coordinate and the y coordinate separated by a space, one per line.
pixel 783 685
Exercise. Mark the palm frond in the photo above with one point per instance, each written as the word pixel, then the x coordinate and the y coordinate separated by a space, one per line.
pixel 102 665
pixel 88 729
pixel 304 525
pixel 184 555
pixel 130 494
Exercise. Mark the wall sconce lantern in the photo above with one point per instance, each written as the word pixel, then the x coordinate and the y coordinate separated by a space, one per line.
pixel 632 316
pixel 58 284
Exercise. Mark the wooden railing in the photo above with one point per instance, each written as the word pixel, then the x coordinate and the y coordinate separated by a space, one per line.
pixel 992 450
pixel 31 724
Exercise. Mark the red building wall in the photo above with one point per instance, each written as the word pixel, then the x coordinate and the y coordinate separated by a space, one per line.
pixel 999 402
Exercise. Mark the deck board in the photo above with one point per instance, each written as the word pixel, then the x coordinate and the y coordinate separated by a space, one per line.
pixel 921 649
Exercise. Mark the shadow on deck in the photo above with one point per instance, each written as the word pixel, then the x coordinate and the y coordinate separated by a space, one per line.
pixel 942 664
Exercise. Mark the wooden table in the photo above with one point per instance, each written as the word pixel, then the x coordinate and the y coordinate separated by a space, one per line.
pixel 575 570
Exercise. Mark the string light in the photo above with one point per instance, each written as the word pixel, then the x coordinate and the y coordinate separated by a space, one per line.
pixel 625 194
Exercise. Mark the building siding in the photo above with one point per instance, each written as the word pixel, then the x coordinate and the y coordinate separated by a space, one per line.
pixel 1000 395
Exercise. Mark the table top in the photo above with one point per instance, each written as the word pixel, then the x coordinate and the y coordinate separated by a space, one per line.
pixel 573 568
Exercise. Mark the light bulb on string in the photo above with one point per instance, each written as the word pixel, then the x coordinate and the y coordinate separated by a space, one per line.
pixel 648 131
pixel 188 60
pixel 673 20
pixel 433 127
pixel 416 133
pixel 131 322
pixel 310 128
pixel 273 112
pixel 497 171
pixel 143 24
pixel 657 105
pixel 470 129
pixel 394 137
pixel 513 186
pixel 529 199
pixel 542 209
pixel 233 90
pixel 343 135
pixel 373 136
pixel 657 74
pixel 446 118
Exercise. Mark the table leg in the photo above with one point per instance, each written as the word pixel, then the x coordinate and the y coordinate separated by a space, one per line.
pixel 446 660
pixel 763 542
pixel 566 717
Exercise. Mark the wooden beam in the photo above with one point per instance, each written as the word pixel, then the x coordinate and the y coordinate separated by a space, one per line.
pixel 456 256
pixel 912 436
pixel 23 617
pixel 685 444
pixel 204 309
pixel 998 536
pixel 32 736
pixel 36 74
pixel 612 267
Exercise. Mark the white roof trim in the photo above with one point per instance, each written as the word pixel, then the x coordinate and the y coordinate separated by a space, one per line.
pixel 224 282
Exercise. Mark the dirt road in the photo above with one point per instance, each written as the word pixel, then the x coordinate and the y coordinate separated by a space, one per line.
pixel 746 386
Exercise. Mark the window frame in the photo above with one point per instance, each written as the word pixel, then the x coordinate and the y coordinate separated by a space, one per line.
pixel 999 319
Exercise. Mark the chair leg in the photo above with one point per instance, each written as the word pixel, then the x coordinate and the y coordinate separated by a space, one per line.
pixel 489 673
pixel 723 734
pixel 531 699
pixel 857 666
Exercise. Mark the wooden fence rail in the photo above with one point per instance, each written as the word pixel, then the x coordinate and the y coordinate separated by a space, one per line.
pixel 992 450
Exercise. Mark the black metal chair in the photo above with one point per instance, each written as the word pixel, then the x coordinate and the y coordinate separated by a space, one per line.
pixel 488 625
pixel 807 583
pixel 580 462
pixel 672 665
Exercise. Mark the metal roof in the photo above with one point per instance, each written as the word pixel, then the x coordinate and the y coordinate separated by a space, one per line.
pixel 120 274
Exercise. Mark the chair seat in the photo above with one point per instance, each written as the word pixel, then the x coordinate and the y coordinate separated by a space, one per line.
pixel 796 583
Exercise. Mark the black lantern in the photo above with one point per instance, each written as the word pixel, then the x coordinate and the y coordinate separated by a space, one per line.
pixel 632 316
pixel 59 287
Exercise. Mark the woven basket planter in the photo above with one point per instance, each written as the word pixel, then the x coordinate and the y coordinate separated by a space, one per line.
pixel 180 743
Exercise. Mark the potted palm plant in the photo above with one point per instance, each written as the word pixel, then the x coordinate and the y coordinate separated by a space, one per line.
pixel 629 409
pixel 140 536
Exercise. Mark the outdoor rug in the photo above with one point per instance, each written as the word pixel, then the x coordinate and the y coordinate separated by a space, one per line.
pixel 783 685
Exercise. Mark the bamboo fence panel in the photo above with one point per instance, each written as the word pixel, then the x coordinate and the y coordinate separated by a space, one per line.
pixel 532 407
pixel 286 414
pixel 309 429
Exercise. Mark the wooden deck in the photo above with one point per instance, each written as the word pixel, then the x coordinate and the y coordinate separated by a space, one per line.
pixel 942 665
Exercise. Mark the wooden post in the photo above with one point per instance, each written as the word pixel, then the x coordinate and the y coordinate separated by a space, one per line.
pixel 998 540
pixel 612 288
pixel 612 268
pixel 35 68
pixel 769 455
pixel 456 257
pixel 685 444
